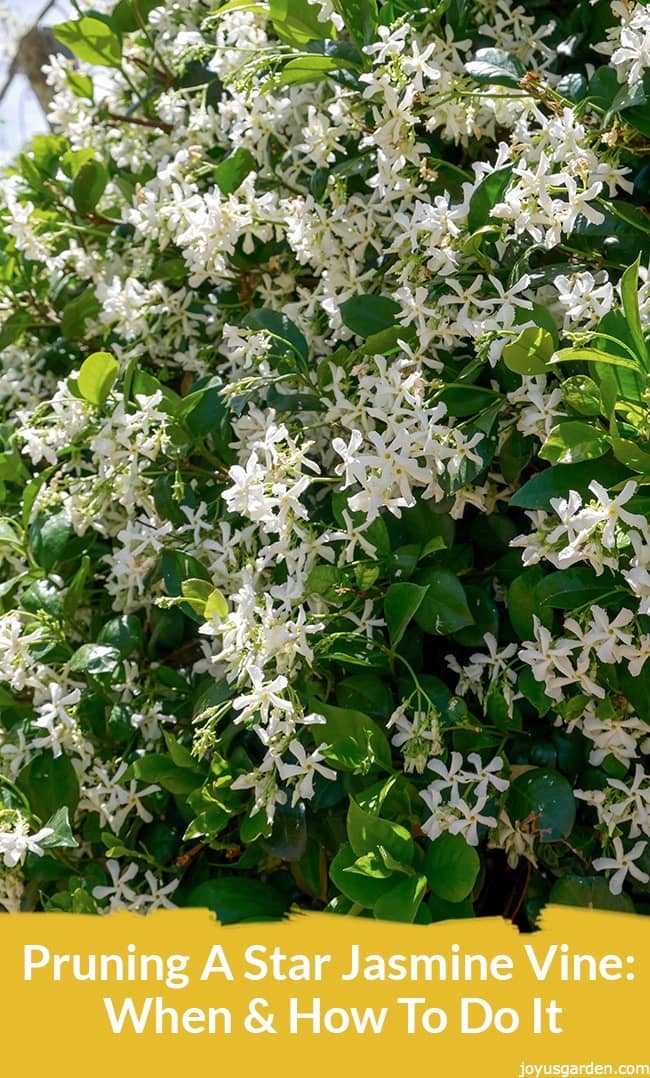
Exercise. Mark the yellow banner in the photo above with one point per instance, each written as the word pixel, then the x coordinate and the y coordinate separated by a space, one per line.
pixel 176 993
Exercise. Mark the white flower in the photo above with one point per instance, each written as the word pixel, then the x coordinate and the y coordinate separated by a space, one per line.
pixel 450 775
pixel 304 770
pixel 606 637
pixel 158 897
pixel 470 819
pixel 16 844
pixel 486 775
pixel 609 511
pixel 118 891
pixel 622 862
pixel 265 695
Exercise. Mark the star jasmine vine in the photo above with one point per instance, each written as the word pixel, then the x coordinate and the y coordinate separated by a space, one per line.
pixel 325 442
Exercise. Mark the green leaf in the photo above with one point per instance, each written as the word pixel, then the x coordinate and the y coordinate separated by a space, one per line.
pixel 76 313
pixel 360 888
pixel 485 197
pixel 570 589
pixel 180 755
pixel 485 613
pixel 123 633
pixel 46 151
pixel 547 797
pixel 614 337
pixel 530 352
pixel 61 831
pixel 162 771
pixel 630 297
pixel 582 394
pixel 88 186
pixel 51 538
pixel 81 85
pixel 231 172
pixel 235 899
pixel 197 593
pixel 462 400
pixel 216 606
pixel 288 838
pixel 130 15
pixel 591 892
pixel 572 86
pixel 308 68
pixel 49 782
pixel 367 691
pixel 14 326
pixel 451 866
pixel 354 731
pixel 570 441
pixel 96 377
pixel 43 595
pixel 514 454
pixel 94 659
pixel 360 18
pixel 90 40
pixel 495 66
pixel 366 832
pixel 371 864
pixel 632 455
pixel 367 315
pixel 403 901
pixel 400 605
pixel 533 691
pixel 442 910
pixel 556 482
pixel 297 22
pixel 592 355
pixel 208 824
pixel 444 608
pixel 286 339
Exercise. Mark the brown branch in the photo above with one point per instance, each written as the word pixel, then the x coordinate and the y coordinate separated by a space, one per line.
pixel 139 122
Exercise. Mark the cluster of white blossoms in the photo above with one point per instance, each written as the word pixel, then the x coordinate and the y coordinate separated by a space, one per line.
pixel 235 493
pixel 628 41
pixel 458 799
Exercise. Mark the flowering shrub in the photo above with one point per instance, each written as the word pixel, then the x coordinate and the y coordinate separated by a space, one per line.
pixel 325 434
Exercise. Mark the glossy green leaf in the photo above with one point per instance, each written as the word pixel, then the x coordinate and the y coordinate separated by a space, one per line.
pixel 366 832
pixel 593 355
pixel 88 186
pixel 237 899
pixel 545 797
pixel 96 377
pixel 361 17
pixel 444 608
pixel 401 603
pixel 367 315
pixel 233 170
pixel 61 831
pixel 530 352
pixel 353 736
pixel 403 901
pixel 557 481
pixel 451 866
pixel 495 66
pixel 582 394
pixel 297 22
pixel 49 783
pixel 571 441
pixel 91 40
pixel 358 887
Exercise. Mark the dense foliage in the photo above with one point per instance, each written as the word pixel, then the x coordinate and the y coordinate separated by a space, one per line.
pixel 325 431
